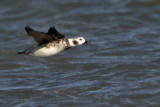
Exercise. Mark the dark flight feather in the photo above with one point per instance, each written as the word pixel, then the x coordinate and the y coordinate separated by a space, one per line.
pixel 43 38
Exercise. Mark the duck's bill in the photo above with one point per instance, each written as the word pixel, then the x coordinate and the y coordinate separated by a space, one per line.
pixel 86 42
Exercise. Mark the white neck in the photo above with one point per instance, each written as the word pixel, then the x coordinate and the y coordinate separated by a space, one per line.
pixel 70 40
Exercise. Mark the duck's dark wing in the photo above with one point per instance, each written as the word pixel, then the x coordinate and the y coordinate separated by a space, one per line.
pixel 40 37
pixel 52 31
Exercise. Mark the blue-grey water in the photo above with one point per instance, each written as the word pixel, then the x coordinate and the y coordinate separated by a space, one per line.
pixel 120 68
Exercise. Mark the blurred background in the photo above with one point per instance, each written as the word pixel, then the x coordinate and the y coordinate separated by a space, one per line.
pixel 120 68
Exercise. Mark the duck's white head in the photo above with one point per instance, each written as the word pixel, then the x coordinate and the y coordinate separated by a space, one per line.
pixel 77 41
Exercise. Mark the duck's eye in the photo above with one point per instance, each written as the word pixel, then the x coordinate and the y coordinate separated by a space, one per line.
pixel 80 39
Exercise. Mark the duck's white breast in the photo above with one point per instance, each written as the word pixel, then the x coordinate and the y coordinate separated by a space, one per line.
pixel 48 50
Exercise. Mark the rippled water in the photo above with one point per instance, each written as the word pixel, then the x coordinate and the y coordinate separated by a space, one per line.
pixel 120 68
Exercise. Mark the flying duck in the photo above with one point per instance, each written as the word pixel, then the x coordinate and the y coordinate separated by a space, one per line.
pixel 50 43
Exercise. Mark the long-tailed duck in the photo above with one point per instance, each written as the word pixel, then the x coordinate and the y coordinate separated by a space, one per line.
pixel 50 43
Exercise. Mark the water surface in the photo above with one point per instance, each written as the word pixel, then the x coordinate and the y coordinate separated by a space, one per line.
pixel 120 68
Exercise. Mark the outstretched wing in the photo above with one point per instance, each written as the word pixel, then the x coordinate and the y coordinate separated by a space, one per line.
pixel 40 37
pixel 52 31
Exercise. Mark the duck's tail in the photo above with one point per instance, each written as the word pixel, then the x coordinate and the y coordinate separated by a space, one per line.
pixel 23 52
pixel 27 51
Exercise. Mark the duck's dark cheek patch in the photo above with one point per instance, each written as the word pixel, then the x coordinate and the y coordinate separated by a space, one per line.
pixel 75 42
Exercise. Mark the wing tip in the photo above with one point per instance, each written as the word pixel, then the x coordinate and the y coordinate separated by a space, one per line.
pixel 52 27
pixel 53 31
pixel 27 28
pixel 23 52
